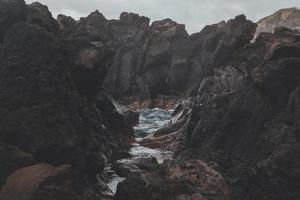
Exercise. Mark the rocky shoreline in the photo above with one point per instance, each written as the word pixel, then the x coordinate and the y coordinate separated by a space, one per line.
pixel 234 130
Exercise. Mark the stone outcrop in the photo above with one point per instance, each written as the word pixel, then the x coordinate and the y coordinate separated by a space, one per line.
pixel 40 15
pixel 243 117
pixel 40 181
pixel 142 68
pixel 239 113
pixel 12 11
pixel 209 56
pixel 52 105
pixel 288 17
pixel 189 180
pixel 12 158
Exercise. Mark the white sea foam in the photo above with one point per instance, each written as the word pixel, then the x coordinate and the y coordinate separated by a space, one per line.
pixel 150 120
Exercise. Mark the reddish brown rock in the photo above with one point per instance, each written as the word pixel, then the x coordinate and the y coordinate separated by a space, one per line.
pixel 182 180
pixel 12 158
pixel 40 181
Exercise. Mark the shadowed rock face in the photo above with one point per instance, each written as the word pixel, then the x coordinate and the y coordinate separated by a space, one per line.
pixel 40 181
pixel 40 15
pixel 241 114
pixel 51 103
pixel 142 67
pixel 12 158
pixel 190 180
pixel 289 18
pixel 243 118
pixel 169 62
pixel 11 11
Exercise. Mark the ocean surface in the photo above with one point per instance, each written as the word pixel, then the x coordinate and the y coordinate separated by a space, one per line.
pixel 150 120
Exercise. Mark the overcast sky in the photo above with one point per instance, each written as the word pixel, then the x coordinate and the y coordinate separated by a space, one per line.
pixel 195 14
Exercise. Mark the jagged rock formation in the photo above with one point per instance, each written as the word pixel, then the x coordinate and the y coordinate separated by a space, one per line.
pixel 40 181
pixel 241 115
pixel 12 158
pixel 142 66
pixel 39 14
pixel 51 106
pixel 243 118
pixel 288 17
pixel 188 180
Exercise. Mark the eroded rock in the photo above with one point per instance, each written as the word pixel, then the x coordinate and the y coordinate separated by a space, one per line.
pixel 190 179
pixel 40 181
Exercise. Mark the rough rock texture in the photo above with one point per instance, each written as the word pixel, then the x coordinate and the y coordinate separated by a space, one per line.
pixel 244 116
pixel 146 69
pixel 212 51
pixel 40 15
pixel 188 180
pixel 288 17
pixel 50 102
pixel 99 31
pixel 12 158
pixel 40 181
pixel 241 116
pixel 142 67
pixel 125 167
pixel 11 11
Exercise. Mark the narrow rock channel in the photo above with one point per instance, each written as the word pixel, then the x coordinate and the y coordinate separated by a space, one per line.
pixel 150 120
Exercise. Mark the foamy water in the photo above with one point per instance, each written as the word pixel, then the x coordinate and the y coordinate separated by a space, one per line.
pixel 150 120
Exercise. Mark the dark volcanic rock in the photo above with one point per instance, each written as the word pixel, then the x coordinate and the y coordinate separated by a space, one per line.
pixel 12 158
pixel 166 61
pixel 40 15
pixel 66 24
pixel 11 12
pixel 141 68
pixel 40 181
pixel 125 167
pixel 244 118
pixel 241 115
pixel 50 104
pixel 132 117
pixel 174 180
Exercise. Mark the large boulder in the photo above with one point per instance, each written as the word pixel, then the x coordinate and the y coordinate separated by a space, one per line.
pixel 51 106
pixel 12 158
pixel 188 180
pixel 40 181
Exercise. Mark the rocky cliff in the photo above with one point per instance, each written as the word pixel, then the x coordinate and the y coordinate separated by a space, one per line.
pixel 288 17
pixel 235 132
pixel 143 66
pixel 243 116
pixel 52 108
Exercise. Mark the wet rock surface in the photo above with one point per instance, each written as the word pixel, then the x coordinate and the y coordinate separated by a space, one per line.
pixel 191 179
pixel 52 106
pixel 12 158
pixel 40 181
pixel 242 118
pixel 237 116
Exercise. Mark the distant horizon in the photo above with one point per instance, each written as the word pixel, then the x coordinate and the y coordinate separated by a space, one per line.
pixel 194 18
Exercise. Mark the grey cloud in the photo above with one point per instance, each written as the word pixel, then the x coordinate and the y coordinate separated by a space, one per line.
pixel 195 14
